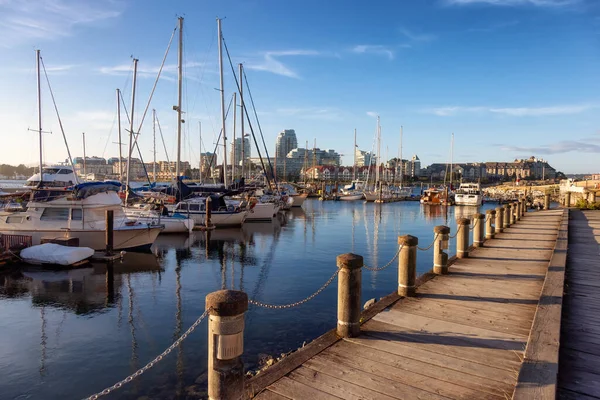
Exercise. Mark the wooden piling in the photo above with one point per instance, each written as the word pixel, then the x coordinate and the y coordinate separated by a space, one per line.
pixel 407 265
pixel 567 199
pixel 506 215
pixel 478 228
pixel 226 344
pixel 207 222
pixel 499 225
pixel 512 213
pixel 546 201
pixel 440 257
pixel 462 237
pixel 109 237
pixel 489 228
pixel 349 291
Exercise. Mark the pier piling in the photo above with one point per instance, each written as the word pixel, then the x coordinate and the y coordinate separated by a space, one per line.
pixel 506 215
pixel 349 290
pixel 499 225
pixel 513 212
pixel 567 199
pixel 440 257
pixel 489 228
pixel 519 204
pixel 462 237
pixel 109 238
pixel 546 201
pixel 407 265
pixel 478 226
pixel 207 222
pixel 226 344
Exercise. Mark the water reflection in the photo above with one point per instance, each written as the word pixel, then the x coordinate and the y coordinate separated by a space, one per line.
pixel 123 316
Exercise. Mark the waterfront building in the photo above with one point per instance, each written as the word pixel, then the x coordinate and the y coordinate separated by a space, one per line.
pixel 531 168
pixel 286 142
pixel 237 157
pixel 96 166
pixel 364 158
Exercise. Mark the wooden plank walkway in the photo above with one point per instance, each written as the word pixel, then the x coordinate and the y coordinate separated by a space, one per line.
pixel 462 337
pixel 579 363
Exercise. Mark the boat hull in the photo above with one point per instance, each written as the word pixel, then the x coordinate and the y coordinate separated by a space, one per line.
pixel 351 197
pixel 298 199
pixel 468 200
pixel 219 219
pixel 370 196
pixel 262 212
pixel 169 224
pixel 125 238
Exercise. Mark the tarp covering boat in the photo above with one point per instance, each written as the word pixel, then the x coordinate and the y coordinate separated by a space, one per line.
pixel 51 253
pixel 85 190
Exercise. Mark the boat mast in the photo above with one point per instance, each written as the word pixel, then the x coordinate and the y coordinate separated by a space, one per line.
pixel 306 163
pixel 222 102
pixel 179 95
pixel 401 162
pixel 242 117
pixel 154 144
pixel 129 147
pixel 84 158
pixel 233 163
pixel 200 136
pixel 378 152
pixel 39 104
pixel 314 157
pixel 354 162
pixel 119 129
pixel 451 156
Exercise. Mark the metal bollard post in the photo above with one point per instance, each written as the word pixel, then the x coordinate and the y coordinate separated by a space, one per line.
pixel 407 265
pixel 506 215
pixel 226 344
pixel 440 257
pixel 207 223
pixel 109 237
pixel 568 199
pixel 349 290
pixel 462 237
pixel 478 221
pixel 499 225
pixel 546 201
pixel 489 229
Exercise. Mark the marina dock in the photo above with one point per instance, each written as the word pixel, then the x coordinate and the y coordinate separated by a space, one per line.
pixel 464 335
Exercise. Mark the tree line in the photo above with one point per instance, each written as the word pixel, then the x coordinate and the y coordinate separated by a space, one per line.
pixel 11 170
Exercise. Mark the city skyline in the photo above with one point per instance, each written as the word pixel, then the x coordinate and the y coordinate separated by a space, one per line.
pixel 511 78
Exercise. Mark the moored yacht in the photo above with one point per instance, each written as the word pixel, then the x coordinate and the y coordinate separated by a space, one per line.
pixel 77 213
pixel 469 194
pixel 222 214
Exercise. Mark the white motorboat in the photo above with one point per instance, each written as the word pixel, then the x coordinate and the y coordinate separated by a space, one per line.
pixel 222 215
pixel 59 176
pixel 171 223
pixel 257 210
pixel 468 194
pixel 77 213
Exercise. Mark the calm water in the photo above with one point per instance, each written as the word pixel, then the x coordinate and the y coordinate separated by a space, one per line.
pixel 65 335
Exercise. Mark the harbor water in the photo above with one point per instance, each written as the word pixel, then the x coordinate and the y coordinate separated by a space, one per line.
pixel 69 334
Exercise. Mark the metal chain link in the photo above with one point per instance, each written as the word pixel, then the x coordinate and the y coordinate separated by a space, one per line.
pixel 458 230
pixel 153 362
pixel 386 265
pixel 428 247
pixel 291 305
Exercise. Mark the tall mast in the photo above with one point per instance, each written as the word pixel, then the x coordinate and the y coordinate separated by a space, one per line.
pixel 354 162
pixel 306 163
pixel 179 94
pixel 401 162
pixel 84 158
pixel 451 157
pixel 154 144
pixel 242 117
pixel 222 88
pixel 314 156
pixel 378 152
pixel 119 129
pixel 39 101
pixel 129 147
pixel 233 163
pixel 200 136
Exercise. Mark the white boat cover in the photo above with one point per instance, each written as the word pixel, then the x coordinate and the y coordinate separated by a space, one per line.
pixel 51 253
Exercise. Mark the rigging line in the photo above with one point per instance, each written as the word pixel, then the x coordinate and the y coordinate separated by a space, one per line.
pixel 219 138
pixel 248 118
pixel 164 144
pixel 154 86
pixel 125 108
pixel 59 121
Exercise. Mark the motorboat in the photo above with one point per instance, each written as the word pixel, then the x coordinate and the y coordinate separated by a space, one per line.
pixel 257 210
pixel 171 223
pixel 469 194
pixel 222 214
pixel 59 176
pixel 435 196
pixel 77 212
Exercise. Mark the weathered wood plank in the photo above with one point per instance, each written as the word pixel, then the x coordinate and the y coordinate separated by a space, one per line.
pixel 269 395
pixel 580 381
pixel 298 391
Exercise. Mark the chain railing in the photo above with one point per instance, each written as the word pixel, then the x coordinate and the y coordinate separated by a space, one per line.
pixel 153 362
pixel 386 265
pixel 457 230
pixel 428 247
pixel 292 305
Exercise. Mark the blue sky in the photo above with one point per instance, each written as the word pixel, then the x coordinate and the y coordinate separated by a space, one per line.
pixel 511 78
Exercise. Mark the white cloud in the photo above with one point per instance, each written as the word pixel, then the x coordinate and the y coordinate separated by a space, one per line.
pixel 539 3
pixel 564 146
pixel 374 49
pixel 372 114
pixel 417 37
pixel 448 111
pixel 26 21
pixel 270 62
pixel 169 71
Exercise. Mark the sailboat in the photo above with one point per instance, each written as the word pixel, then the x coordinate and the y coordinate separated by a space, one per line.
pixel 372 195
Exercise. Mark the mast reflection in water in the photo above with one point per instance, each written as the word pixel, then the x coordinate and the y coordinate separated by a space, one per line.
pixel 68 334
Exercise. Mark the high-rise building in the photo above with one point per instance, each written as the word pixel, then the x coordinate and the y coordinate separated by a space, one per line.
pixel 286 142
pixel 238 151
pixel 365 158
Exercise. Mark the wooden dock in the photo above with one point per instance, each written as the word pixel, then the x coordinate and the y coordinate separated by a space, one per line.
pixel 579 366
pixel 466 335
